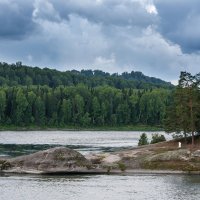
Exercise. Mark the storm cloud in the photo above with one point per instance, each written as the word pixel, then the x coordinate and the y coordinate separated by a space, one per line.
pixel 159 38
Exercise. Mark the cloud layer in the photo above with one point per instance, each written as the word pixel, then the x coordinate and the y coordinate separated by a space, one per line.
pixel 159 38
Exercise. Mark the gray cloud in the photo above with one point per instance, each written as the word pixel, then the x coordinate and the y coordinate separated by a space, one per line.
pixel 15 19
pixel 179 22
pixel 109 12
pixel 111 35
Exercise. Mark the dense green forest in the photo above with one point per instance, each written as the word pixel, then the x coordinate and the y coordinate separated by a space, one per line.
pixel 18 74
pixel 49 98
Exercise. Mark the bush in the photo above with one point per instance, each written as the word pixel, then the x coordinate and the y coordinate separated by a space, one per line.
pixel 157 138
pixel 122 166
pixel 143 140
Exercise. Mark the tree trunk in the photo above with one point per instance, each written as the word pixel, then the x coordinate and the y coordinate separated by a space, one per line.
pixel 193 137
pixel 192 120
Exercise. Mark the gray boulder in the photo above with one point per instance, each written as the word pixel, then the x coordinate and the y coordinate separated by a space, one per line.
pixel 55 160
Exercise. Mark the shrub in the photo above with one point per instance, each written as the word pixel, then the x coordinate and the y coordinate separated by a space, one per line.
pixel 157 138
pixel 122 166
pixel 143 140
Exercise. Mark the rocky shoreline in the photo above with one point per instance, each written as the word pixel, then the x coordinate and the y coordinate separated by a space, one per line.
pixel 161 158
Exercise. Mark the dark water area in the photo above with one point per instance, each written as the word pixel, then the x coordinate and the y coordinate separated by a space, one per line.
pixel 13 150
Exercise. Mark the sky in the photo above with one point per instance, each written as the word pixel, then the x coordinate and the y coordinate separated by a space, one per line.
pixel 157 37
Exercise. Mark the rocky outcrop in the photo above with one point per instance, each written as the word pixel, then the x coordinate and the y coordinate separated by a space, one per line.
pixel 146 159
pixel 196 154
pixel 176 155
pixel 55 160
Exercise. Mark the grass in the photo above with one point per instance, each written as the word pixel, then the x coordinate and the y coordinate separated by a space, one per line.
pixel 78 128
pixel 171 165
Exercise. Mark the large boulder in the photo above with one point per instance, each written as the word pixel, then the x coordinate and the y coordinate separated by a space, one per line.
pixel 55 160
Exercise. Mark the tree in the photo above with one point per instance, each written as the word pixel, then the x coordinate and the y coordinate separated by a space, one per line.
pixel 2 105
pixel 39 111
pixel 21 106
pixel 95 110
pixel 78 109
pixel 143 140
pixel 66 111
pixel 157 138
pixel 86 120
pixel 183 115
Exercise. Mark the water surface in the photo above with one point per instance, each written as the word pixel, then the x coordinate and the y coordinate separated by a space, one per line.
pixel 100 187
pixel 85 187
pixel 26 142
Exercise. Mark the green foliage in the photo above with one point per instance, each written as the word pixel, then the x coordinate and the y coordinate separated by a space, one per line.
pixel 2 105
pixel 183 114
pixel 18 74
pixel 157 138
pixel 122 166
pixel 79 106
pixel 143 140
pixel 49 98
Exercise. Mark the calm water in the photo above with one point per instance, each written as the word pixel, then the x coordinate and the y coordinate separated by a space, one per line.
pixel 100 187
pixel 18 143
pixel 84 187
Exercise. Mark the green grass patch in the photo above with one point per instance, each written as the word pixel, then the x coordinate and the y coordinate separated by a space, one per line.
pixel 78 128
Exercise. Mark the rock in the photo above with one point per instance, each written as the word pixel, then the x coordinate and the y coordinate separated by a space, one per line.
pixel 196 153
pixel 55 160
pixel 178 155
pixel 111 159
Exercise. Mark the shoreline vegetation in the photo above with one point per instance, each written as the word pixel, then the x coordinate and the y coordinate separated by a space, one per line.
pixel 75 128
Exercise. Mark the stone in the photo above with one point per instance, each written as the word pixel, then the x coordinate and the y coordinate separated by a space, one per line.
pixel 55 160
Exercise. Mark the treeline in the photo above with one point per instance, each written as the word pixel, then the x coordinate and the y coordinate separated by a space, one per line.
pixel 81 105
pixel 18 74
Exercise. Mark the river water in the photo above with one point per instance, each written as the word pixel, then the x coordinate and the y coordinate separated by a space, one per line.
pixel 97 187
pixel 26 142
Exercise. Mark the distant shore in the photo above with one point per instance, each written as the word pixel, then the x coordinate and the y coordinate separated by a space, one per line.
pixel 75 128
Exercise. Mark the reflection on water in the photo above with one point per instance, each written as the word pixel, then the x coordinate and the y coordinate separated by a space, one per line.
pixel 98 187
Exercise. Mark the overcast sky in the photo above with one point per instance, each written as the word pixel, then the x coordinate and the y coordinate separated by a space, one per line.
pixel 157 37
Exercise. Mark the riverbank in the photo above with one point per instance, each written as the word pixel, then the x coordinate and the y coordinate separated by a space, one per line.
pixel 75 128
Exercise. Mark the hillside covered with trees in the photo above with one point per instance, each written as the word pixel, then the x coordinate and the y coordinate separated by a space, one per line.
pixel 50 98
pixel 18 74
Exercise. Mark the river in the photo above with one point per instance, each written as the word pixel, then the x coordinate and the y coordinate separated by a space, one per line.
pixel 98 187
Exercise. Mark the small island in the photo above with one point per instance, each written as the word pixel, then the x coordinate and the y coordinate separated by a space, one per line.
pixel 164 157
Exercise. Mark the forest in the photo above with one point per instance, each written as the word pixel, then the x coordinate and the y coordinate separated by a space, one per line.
pixel 18 74
pixel 80 105
pixel 50 98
